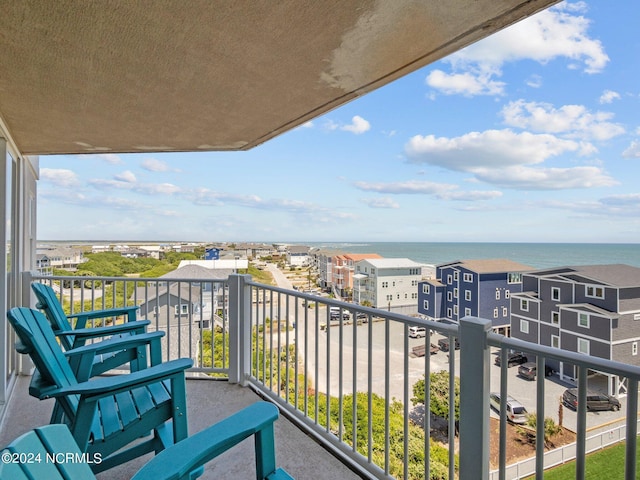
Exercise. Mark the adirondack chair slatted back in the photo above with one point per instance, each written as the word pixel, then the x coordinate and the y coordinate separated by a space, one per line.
pixel 107 415
pixel 37 340
pixel 41 449
pixel 52 308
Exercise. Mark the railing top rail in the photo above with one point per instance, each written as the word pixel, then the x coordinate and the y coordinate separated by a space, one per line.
pixel 71 278
pixel 594 363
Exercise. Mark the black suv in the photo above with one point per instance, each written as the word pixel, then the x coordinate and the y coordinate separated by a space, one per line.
pixel 514 358
pixel 595 400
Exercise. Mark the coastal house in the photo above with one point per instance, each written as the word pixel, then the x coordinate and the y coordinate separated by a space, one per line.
pixel 65 258
pixel 298 255
pixel 479 288
pixel 322 262
pixel 590 309
pixel 343 270
pixel 388 283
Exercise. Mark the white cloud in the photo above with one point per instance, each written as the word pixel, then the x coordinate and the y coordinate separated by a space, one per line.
pixel 491 148
pixel 534 81
pixel 383 202
pixel 126 176
pixel 111 158
pixel 467 83
pixel 142 188
pixel 308 124
pixel 558 32
pixel 442 191
pixel 529 178
pixel 153 165
pixel 358 125
pixel 609 96
pixel 571 120
pixel 633 151
pixel 59 177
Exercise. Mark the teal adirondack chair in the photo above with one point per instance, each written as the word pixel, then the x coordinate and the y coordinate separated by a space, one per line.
pixel 26 457
pixel 106 414
pixel 76 336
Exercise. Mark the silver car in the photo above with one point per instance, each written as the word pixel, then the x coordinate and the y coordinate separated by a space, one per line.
pixel 516 413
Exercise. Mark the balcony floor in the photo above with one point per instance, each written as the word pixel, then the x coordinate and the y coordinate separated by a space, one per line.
pixel 208 401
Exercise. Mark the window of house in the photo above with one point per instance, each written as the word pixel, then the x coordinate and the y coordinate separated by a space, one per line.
pixel 595 292
pixel 524 305
pixel 467 312
pixel 495 312
pixel 524 326
pixel 555 341
pixel 455 293
pixel 414 295
pixel 425 288
pixel 182 309
pixel 636 316
pixel 373 271
pixel 467 295
pixel 497 294
pixel 449 279
pixel 505 311
pixel 449 296
pixel 507 294
pixel 634 348
pixel 467 277
pixel 555 293
pixel 455 309
pixel 583 346
pixel 514 278
pixel 449 313
pixel 455 275
pixel 583 320
pixel 555 318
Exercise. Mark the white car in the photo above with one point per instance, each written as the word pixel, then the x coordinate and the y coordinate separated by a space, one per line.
pixel 516 413
pixel 417 332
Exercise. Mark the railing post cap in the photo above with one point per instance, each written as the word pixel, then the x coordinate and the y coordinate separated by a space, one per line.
pixel 476 322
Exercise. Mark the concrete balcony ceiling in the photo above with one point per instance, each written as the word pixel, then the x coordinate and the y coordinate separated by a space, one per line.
pixel 143 76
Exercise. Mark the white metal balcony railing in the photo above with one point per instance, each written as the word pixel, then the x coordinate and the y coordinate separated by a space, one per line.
pixel 347 378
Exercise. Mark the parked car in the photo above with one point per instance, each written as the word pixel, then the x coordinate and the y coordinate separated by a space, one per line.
pixel 443 343
pixel 334 313
pixel 595 400
pixel 417 332
pixel 528 370
pixel 514 358
pixel 516 413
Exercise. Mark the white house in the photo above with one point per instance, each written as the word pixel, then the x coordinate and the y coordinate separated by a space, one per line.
pixel 388 283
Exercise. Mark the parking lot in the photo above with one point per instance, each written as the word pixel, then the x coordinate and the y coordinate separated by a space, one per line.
pixel 525 392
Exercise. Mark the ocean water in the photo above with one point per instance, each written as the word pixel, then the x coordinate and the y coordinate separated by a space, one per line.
pixel 536 255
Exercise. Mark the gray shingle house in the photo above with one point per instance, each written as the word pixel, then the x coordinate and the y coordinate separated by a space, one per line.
pixel 592 309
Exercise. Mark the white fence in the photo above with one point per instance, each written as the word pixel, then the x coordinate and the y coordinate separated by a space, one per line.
pixel 564 454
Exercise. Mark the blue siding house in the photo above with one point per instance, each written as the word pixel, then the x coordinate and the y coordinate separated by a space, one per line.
pixel 479 288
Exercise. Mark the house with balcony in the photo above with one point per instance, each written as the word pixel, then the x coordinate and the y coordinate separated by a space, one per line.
pixel 343 271
pixel 388 283
pixel 589 309
pixel 298 255
pixel 479 288
pixel 194 76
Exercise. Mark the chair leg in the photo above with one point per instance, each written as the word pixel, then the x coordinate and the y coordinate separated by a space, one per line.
pixel 265 452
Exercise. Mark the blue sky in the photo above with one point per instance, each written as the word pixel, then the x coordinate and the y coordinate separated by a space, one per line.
pixel 531 135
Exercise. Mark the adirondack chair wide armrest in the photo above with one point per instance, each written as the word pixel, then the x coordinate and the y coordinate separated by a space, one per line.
pixel 178 461
pixel 106 386
pixel 117 343
pixel 86 360
pixel 82 317
pixel 139 326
